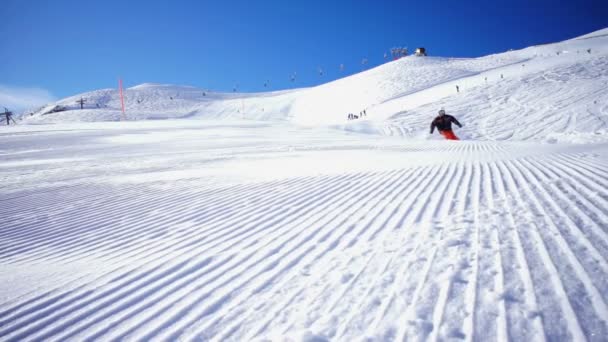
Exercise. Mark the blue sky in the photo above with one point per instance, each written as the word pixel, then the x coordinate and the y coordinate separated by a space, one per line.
pixel 68 46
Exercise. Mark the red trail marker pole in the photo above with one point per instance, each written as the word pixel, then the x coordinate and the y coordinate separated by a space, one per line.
pixel 122 100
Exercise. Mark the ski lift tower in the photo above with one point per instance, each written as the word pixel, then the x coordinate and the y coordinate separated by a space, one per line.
pixel 82 102
pixel 9 116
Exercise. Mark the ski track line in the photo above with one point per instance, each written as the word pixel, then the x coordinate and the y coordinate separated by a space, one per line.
pixel 415 179
pixel 349 310
pixel 593 214
pixel 366 226
pixel 518 313
pixel 420 208
pixel 409 317
pixel 371 293
pixel 561 299
pixel 594 203
pixel 237 237
pixel 230 310
pixel 21 233
pixel 299 291
pixel 460 314
pixel 576 170
pixel 576 214
pixel 298 258
pixel 447 193
pixel 249 244
pixel 98 235
pixel 596 168
pixel 472 286
pixel 484 325
pixel 595 300
pixel 45 302
pixel 30 197
pixel 36 325
pixel 394 298
pixel 220 216
pixel 268 254
pixel 155 227
pixel 401 332
pixel 186 243
pixel 34 195
pixel 206 209
pixel 427 179
pixel 100 212
pixel 21 249
pixel 583 175
pixel 371 200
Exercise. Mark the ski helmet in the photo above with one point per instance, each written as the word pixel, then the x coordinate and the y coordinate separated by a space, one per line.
pixel 442 111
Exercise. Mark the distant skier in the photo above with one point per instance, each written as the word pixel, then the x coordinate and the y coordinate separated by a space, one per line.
pixel 443 122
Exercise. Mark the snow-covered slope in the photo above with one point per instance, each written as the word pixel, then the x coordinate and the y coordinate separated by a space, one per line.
pixel 218 230
pixel 555 91
pixel 507 96
pixel 158 101
pixel 595 34
pixel 270 217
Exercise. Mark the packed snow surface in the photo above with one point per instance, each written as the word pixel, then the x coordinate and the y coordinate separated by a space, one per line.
pixel 272 217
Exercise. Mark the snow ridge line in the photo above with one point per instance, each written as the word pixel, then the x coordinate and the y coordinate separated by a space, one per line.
pixel 288 239
pixel 493 234
pixel 592 236
pixel 418 324
pixel 435 171
pixel 446 178
pixel 120 286
pixel 409 186
pixel 333 224
pixel 69 223
pixel 395 299
pixel 134 216
pixel 520 315
pixel 544 262
pixel 595 300
pixel 228 268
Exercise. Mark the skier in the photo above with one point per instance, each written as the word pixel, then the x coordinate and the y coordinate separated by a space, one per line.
pixel 443 122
